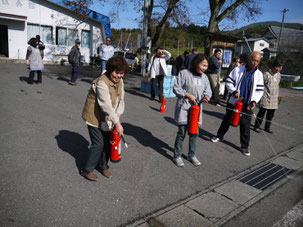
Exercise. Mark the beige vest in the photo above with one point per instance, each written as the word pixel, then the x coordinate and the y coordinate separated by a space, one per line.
pixel 92 112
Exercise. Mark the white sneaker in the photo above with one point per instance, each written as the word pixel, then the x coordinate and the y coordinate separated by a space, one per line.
pixel 194 161
pixel 179 162
pixel 215 139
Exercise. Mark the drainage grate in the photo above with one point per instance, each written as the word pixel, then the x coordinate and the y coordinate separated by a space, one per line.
pixel 265 176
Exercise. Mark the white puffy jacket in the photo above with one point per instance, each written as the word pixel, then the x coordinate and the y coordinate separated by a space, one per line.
pixel 151 68
pixel 234 80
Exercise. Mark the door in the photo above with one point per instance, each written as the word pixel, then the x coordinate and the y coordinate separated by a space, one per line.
pixel 3 40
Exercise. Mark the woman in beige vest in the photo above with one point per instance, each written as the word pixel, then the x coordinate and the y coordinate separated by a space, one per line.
pixel 103 107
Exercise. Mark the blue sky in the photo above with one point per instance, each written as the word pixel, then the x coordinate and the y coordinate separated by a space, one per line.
pixel 271 12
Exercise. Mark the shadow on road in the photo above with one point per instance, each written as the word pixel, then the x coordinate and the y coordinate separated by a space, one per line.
pixel 23 79
pixel 214 114
pixel 61 78
pixel 74 144
pixel 146 139
pixel 134 92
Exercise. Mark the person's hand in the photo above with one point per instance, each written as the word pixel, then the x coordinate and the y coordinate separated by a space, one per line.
pixel 205 99
pixel 236 95
pixel 119 128
pixel 191 98
pixel 220 61
pixel 27 62
pixel 251 106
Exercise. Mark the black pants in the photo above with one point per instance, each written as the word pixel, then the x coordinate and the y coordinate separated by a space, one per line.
pixel 98 153
pixel 158 78
pixel 269 116
pixel 244 125
pixel 32 75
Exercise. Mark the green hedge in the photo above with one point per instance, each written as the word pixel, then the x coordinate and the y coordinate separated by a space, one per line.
pixel 294 84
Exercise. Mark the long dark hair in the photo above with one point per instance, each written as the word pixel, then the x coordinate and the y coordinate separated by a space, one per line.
pixel 32 42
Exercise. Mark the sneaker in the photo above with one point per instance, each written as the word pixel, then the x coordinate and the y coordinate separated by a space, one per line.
pixel 258 130
pixel 219 105
pixel 72 83
pixel 245 151
pixel 268 130
pixel 194 161
pixel 215 139
pixel 179 162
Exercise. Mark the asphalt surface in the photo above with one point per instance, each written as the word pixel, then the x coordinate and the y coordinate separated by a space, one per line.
pixel 44 143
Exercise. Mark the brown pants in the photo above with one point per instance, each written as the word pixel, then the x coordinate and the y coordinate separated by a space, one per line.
pixel 215 87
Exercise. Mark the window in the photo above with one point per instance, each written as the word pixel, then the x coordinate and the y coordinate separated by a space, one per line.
pixel 32 31
pixel 47 34
pixel 61 34
pixel 72 35
pixel 85 39
pixel 261 44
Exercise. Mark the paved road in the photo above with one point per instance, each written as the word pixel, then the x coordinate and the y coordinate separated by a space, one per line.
pixel 44 141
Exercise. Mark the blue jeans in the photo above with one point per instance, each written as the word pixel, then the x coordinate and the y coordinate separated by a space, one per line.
pixel 75 73
pixel 99 151
pixel 103 65
pixel 182 129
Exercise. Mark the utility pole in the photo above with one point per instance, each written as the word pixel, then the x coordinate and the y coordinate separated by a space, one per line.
pixel 144 36
pixel 279 39
pixel 178 47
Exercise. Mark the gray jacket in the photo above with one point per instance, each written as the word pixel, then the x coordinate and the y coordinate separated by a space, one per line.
pixel 34 57
pixel 197 86
pixel 74 56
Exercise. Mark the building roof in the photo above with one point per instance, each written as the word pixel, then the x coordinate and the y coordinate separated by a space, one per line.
pixel 289 36
pixel 253 40
pixel 91 14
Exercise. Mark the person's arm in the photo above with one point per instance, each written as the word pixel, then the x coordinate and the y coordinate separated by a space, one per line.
pixel 28 53
pixel 104 101
pixel 231 82
pixel 259 89
pixel 207 92
pixel 166 54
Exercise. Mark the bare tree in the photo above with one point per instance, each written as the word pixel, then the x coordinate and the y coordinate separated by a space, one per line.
pixel 159 13
pixel 232 10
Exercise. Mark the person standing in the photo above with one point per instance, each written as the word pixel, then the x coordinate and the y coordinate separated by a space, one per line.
pixel 191 87
pixel 157 70
pixel 212 73
pixel 245 81
pixel 269 101
pixel 34 61
pixel 106 52
pixel 40 46
pixel 190 57
pixel 180 60
pixel 74 58
pixel 102 110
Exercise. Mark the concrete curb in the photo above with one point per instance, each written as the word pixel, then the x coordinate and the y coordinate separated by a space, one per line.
pixel 162 217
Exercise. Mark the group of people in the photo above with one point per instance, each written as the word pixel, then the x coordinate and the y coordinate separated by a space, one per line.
pixel 35 54
pixel 105 100
pixel 198 80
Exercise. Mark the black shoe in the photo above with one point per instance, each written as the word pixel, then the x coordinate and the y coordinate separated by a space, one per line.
pixel 152 98
pixel 258 130
pixel 268 130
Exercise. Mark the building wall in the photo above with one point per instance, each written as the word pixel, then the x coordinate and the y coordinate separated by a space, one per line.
pixel 44 13
pixel 254 45
pixel 260 45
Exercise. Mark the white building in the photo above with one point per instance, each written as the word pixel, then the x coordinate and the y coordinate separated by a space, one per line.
pixel 57 25
pixel 254 44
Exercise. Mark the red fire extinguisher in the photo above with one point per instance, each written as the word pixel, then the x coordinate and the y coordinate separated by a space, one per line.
pixel 236 113
pixel 115 146
pixel 162 108
pixel 193 126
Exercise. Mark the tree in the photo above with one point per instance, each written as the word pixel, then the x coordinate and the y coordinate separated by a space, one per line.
pixel 232 10
pixel 160 12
